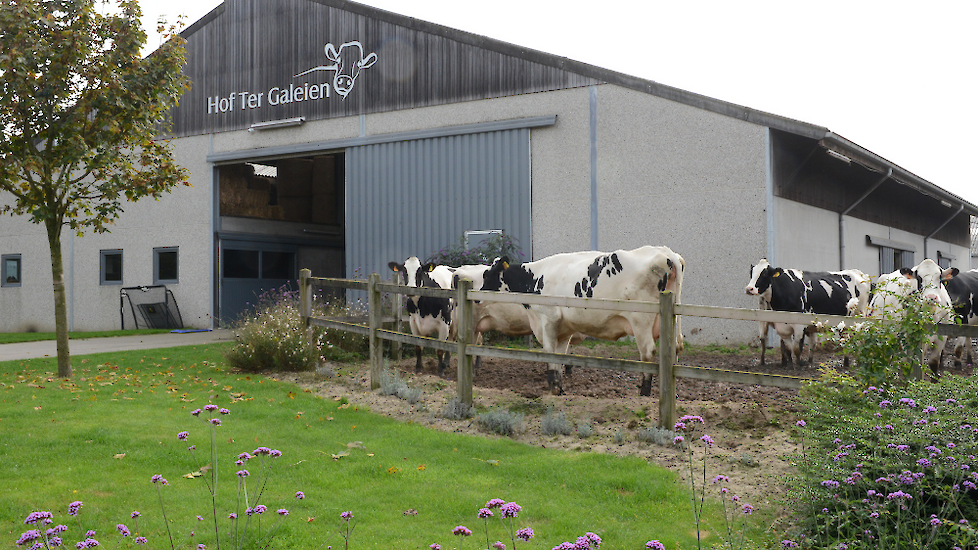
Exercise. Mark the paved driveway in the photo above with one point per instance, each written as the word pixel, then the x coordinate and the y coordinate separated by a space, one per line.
pixel 49 348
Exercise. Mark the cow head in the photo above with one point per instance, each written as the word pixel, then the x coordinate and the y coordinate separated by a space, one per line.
pixel 347 62
pixel 930 280
pixel 493 278
pixel 761 276
pixel 414 272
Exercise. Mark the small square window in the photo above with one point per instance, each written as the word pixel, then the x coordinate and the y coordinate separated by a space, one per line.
pixel 166 266
pixel 110 264
pixel 10 274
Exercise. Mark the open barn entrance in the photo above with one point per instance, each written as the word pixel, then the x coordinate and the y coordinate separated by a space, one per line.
pixel 276 217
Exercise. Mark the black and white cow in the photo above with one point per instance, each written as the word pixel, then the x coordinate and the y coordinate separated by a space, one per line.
pixel 428 315
pixel 639 274
pixel 963 292
pixel 928 279
pixel 509 319
pixel 825 292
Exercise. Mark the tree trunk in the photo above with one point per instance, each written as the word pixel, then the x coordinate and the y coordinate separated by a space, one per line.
pixel 60 305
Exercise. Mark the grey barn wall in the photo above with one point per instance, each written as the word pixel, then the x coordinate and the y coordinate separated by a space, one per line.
pixel 690 179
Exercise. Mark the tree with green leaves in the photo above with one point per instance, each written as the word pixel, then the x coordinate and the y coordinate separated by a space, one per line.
pixel 81 113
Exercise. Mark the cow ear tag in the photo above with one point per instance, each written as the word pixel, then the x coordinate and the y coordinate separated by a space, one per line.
pixel 505 265
pixel 776 274
pixel 430 268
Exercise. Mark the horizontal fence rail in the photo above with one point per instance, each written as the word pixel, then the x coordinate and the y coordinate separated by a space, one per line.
pixel 465 298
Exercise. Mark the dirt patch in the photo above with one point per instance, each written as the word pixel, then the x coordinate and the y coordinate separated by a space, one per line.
pixel 751 425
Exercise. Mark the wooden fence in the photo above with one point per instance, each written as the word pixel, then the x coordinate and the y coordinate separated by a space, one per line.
pixel 465 297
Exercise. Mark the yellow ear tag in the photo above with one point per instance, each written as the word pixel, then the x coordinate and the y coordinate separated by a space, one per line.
pixel 505 265
pixel 431 268
pixel 776 274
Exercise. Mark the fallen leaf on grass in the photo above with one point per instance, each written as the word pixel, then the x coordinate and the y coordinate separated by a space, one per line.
pixel 120 455
pixel 340 455
pixel 355 445
pixel 344 406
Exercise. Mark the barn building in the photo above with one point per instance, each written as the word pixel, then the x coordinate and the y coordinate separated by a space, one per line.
pixel 329 135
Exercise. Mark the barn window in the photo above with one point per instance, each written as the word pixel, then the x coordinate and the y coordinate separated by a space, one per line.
pixel 166 265
pixel 944 260
pixel 10 266
pixel 893 255
pixel 110 267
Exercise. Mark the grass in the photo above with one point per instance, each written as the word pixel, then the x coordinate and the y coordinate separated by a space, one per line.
pixel 15 337
pixel 100 436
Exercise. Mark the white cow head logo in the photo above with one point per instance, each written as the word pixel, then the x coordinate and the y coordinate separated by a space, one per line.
pixel 346 64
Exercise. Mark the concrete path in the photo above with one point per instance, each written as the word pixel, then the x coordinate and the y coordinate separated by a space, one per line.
pixel 49 348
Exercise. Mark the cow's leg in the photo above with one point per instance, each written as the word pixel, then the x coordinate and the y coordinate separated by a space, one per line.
pixel 645 340
pixel 961 345
pixel 935 355
pixel 546 333
pixel 443 356
pixel 762 336
pixel 418 367
pixel 811 345
pixel 798 343
pixel 786 332
pixel 478 358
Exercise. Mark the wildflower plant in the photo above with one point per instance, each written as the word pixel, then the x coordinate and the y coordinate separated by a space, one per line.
pixel 271 335
pixel 506 513
pixel 689 437
pixel 890 467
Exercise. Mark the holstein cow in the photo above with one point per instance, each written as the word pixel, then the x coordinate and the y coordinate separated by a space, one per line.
pixel 638 274
pixel 428 315
pixel 927 278
pixel 509 319
pixel 963 291
pixel 824 292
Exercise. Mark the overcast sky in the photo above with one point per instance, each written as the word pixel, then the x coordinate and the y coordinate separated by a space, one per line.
pixel 896 77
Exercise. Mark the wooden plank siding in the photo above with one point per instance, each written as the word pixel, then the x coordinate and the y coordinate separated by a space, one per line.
pixel 254 46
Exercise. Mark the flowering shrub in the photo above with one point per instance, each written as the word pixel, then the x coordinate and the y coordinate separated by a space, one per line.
pixel 273 337
pixel 495 246
pixel 891 468
pixel 890 347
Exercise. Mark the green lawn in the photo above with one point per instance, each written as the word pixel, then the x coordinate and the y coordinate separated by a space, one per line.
pixel 14 337
pixel 102 435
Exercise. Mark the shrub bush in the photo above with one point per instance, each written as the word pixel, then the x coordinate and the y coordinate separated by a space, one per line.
pixel 391 383
pixel 495 246
pixel 656 436
pixel 555 424
pixel 890 346
pixel 584 430
pixel 271 336
pixel 500 422
pixel 456 409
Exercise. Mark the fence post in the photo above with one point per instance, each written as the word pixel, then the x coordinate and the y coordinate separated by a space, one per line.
pixel 464 336
pixel 667 359
pixel 396 300
pixel 376 347
pixel 305 303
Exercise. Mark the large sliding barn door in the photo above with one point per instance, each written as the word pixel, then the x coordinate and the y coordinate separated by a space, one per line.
pixel 413 198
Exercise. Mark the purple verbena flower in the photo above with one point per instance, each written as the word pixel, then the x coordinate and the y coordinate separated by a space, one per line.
pixel 655 545
pixel 123 530
pixel 461 530
pixel 524 534
pixel 347 516
pixel 74 507
pixel 210 407
pixel 485 513
pixel 243 473
pixel 495 503
pixel 510 509
pixel 182 436
pixel 134 514
pixel 140 540
pixel 195 412
pixel 215 421
pixel 282 512
pixel 300 495
pixel 224 411
pixel 260 509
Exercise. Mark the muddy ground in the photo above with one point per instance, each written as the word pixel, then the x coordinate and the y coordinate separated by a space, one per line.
pixel 751 425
